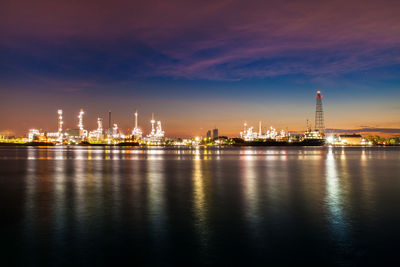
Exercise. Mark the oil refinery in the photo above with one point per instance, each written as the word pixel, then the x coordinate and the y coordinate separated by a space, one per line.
pixel 111 135
pixel 271 136
pixel 249 136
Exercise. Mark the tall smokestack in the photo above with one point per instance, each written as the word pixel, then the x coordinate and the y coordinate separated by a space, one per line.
pixel 319 114
pixel 80 117
pixel 136 118
pixel 152 123
pixel 109 119
pixel 60 121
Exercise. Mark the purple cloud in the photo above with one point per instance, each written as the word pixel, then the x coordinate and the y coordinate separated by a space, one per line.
pixel 221 40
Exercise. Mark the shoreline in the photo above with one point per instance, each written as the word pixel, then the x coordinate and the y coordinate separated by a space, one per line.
pixel 180 146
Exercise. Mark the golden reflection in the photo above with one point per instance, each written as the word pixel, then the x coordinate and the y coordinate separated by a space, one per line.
pixel 332 181
pixel 156 191
pixel 58 153
pixel 284 156
pixel 199 194
pixel 206 154
pixel 31 207
pixel 89 180
pixel 334 197
pixel 247 154
pixel 155 154
pixel 249 184
pixel 343 154
pixel 59 189
pixel 78 180
pixel 363 157
pixel 368 183
pixel 197 153
pixel 116 189
pixel 42 153
pixel 31 153
pixel 107 154
pixel 201 179
pixel 31 185
pixel 127 154
pixel 89 200
pixel 89 153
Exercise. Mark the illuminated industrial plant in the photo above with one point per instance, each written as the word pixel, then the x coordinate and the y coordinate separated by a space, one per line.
pixel 136 132
pixel 82 132
pixel 35 134
pixel 317 135
pixel 60 124
pixel 249 135
pixel 116 134
pixel 98 133
pixel 156 135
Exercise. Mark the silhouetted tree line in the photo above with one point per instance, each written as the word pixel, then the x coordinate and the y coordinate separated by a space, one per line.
pixel 377 140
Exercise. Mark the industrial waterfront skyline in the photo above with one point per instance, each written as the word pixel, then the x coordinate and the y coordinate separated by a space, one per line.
pixel 133 121
pixel 199 64
pixel 109 133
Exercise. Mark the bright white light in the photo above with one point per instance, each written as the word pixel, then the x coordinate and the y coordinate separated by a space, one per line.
pixel 330 139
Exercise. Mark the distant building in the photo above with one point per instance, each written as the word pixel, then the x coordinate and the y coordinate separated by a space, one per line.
pixel 215 133
pixel 73 135
pixel 73 132
pixel 7 135
pixel 209 134
pixel 351 139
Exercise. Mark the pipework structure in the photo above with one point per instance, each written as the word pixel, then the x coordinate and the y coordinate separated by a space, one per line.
pixel 249 133
pixel 60 125
pixel 98 133
pixel 152 124
pixel 137 132
pixel 157 134
pixel 82 132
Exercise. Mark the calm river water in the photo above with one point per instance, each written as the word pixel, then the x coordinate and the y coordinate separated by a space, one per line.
pixel 228 206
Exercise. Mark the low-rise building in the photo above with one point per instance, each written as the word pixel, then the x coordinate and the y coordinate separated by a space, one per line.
pixel 351 139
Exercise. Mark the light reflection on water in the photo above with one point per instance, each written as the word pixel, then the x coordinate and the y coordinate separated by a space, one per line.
pixel 249 177
pixel 201 209
pixel 203 202
pixel 156 194
pixel 335 200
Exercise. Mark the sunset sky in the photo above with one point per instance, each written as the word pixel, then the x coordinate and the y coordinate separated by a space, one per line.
pixel 200 64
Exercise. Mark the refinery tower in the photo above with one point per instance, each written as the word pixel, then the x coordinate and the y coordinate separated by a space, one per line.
pixel 319 114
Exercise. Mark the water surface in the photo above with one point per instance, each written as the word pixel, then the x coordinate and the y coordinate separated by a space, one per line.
pixel 230 206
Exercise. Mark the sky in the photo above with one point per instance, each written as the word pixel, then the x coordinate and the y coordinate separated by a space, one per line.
pixel 200 64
